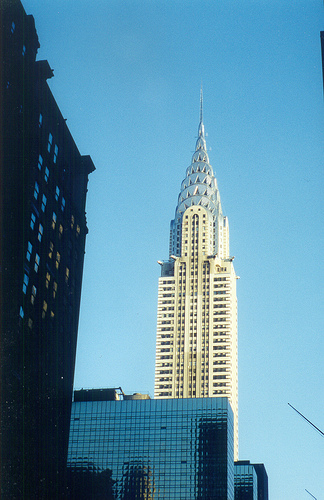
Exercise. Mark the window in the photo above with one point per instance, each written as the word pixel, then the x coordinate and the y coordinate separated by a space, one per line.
pixel 58 259
pixel 60 230
pixel 46 174
pixel 40 120
pixel 32 220
pixel 21 312
pixel 36 190
pixel 48 279
pixel 55 153
pixel 54 220
pixel 24 50
pixel 33 294
pixel 44 200
pixel 40 162
pixel 25 283
pixel 72 221
pixel 29 250
pixel 57 193
pixel 44 309
pixel 54 289
pixel 30 323
pixel 50 140
pixel 50 253
pixel 63 204
pixel 40 232
pixel 13 27
pixel 37 260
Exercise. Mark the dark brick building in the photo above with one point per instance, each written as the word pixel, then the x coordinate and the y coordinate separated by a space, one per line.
pixel 42 232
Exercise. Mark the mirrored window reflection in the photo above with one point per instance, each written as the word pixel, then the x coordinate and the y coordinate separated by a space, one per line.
pixel 157 448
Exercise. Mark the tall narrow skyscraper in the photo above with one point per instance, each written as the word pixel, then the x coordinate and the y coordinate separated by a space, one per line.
pixel 196 347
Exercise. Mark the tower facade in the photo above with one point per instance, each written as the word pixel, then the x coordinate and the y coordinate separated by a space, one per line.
pixel 196 346
pixel 42 241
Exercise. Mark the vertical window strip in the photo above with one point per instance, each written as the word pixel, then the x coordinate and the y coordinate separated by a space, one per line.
pixel 32 220
pixel 40 162
pixel 49 144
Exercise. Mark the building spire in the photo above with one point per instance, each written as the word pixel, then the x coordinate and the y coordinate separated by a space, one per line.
pixel 201 128
pixel 201 104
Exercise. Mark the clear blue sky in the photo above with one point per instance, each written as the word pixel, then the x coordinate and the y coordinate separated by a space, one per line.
pixel 127 78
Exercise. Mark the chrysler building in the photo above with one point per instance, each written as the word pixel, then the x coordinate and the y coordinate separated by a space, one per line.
pixel 196 345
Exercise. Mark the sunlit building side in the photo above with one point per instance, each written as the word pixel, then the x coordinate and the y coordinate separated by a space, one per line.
pixel 196 344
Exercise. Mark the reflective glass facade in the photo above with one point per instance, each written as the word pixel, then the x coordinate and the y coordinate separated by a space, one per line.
pixel 156 449
pixel 246 482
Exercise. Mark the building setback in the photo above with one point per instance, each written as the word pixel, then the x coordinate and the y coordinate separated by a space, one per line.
pixel 163 449
pixel 43 230
pixel 250 481
pixel 196 345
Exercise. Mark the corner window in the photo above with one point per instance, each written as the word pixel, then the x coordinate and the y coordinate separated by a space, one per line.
pixel 40 232
pixel 40 162
pixel 25 283
pixel 44 309
pixel 44 200
pixel 32 220
pixel 54 220
pixel 50 253
pixel 29 250
pixel 36 190
pixel 55 153
pixel 63 204
pixel 58 259
pixel 33 294
pixel 46 174
pixel 49 144
pixel 57 193
pixel 37 260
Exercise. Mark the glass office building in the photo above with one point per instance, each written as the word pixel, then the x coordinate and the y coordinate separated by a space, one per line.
pixel 169 449
pixel 245 481
pixel 250 481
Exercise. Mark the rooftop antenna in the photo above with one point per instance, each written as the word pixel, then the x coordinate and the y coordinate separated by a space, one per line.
pixel 310 494
pixel 201 103
pixel 311 423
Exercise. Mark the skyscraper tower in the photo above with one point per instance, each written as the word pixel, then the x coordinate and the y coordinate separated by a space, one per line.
pixel 196 346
